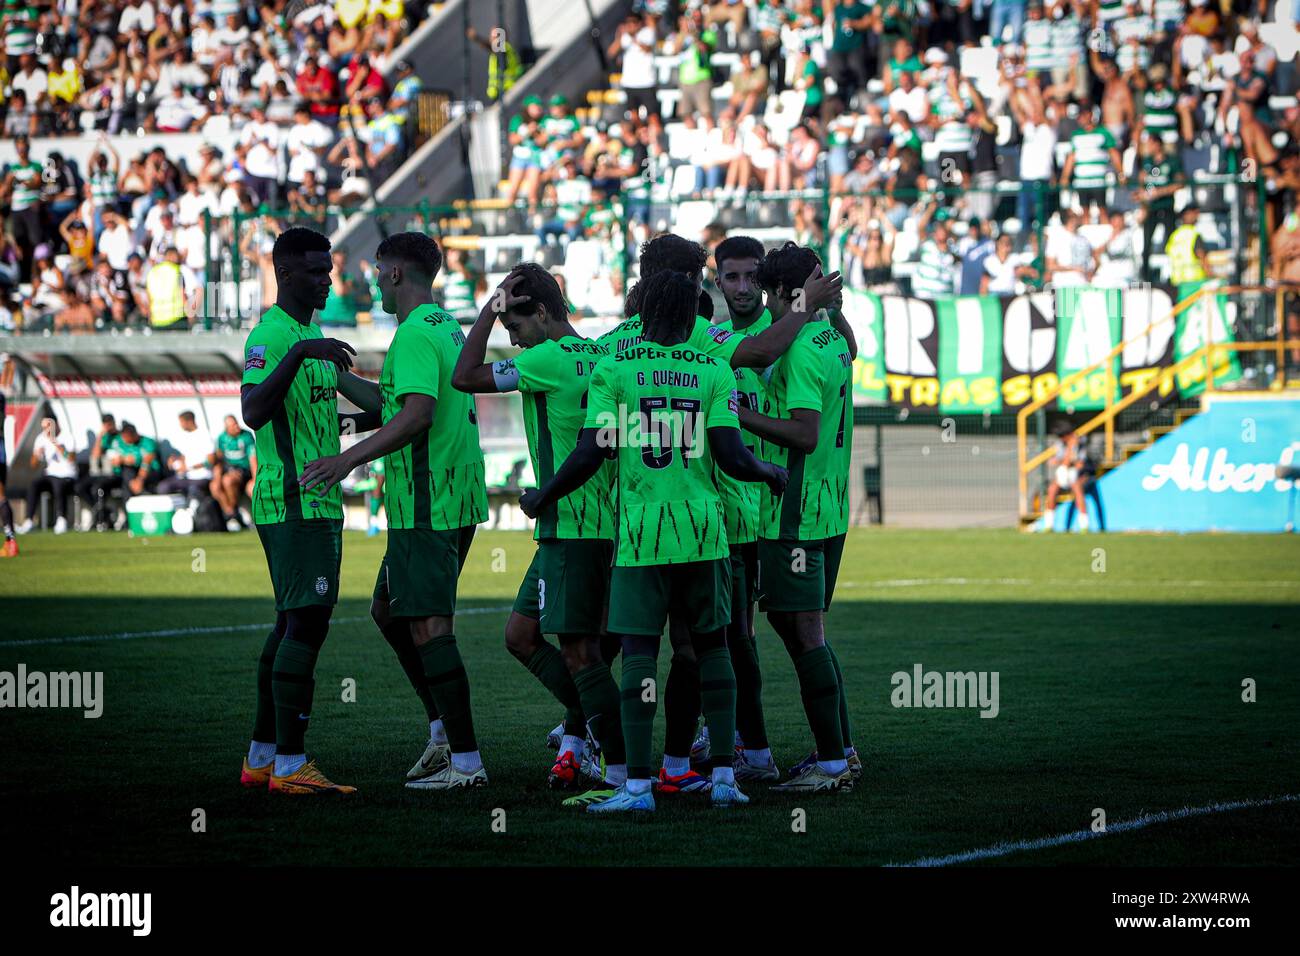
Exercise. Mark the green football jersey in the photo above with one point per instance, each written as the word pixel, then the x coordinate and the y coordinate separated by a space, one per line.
pixel 236 449
pixel 660 401
pixel 304 428
pixel 436 482
pixel 817 374
pixel 705 337
pixel 133 455
pixel 740 499
pixel 553 377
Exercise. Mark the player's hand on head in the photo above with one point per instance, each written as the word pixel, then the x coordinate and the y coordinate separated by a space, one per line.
pixel 324 473
pixel 331 350
pixel 821 290
pixel 505 299
pixel 530 502
pixel 777 479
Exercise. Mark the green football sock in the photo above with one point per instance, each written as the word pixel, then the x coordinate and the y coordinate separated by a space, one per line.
pixel 681 705
pixel 599 696
pixel 845 730
pixel 444 672
pixel 292 686
pixel 547 665
pixel 821 700
pixel 375 502
pixel 264 718
pixel 718 700
pixel 638 714
pixel 749 692
pixel 398 635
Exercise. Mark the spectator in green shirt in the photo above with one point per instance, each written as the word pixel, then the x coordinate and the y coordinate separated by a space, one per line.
pixel 696 44
pixel 853 45
pixel 232 476
pixel 135 461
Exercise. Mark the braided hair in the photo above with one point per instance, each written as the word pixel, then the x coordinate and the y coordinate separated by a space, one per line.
pixel 669 300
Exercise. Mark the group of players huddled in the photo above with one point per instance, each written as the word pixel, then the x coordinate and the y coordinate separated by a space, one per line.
pixel 687 467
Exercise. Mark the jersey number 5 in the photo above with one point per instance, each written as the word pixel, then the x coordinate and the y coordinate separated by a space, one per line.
pixel 690 409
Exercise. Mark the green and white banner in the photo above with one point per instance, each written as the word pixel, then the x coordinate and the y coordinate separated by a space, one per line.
pixel 974 354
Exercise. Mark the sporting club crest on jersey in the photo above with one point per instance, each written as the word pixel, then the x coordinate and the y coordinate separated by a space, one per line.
pixel 256 358
pixel 322 586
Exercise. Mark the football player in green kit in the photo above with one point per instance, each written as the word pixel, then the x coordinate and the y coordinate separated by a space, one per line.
pixel 565 588
pixel 807 426
pixel 288 399
pixel 434 497
pixel 668 413
pixel 669 252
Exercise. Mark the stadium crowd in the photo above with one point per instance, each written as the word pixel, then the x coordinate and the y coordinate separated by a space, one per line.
pixel 939 127
pixel 293 113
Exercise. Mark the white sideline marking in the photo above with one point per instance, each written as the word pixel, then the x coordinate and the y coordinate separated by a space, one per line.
pixel 1078 836
pixel 1096 581
pixel 185 631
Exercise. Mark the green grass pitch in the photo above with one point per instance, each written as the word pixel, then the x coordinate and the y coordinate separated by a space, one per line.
pixel 1121 661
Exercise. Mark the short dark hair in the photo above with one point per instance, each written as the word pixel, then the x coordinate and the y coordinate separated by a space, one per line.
pixel 540 286
pixel 413 248
pixel 787 267
pixel 737 247
pixel 297 241
pixel 187 414
pixel 107 417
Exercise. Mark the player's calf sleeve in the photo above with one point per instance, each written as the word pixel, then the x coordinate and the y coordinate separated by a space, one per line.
pixel 845 730
pixel 292 686
pixel 637 709
pixel 7 518
pixel 547 665
pixel 718 699
pixel 600 704
pixel 749 691
pixel 821 700
pixel 444 673
pixel 681 705
pixel 398 635
pixel 264 716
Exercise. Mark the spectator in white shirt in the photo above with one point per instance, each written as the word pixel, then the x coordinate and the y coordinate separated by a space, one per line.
pixel 191 466
pixel 1071 260
pixel 116 242
pixel 1004 268
pixel 138 15
pixel 52 452
pixel 262 164
pixel 909 98
pixel 636 42
pixel 306 144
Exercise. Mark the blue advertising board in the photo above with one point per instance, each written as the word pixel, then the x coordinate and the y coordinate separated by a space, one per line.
pixel 1218 472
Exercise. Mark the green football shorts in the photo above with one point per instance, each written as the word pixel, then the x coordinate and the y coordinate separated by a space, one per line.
pixel 697 593
pixel 744 578
pixel 303 558
pixel 567 584
pixel 420 569
pixel 798 575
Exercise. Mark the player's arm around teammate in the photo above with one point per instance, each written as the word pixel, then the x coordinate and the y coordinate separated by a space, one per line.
pixel 435 497
pixel 801 535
